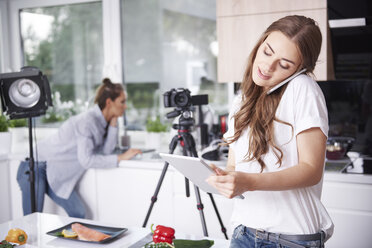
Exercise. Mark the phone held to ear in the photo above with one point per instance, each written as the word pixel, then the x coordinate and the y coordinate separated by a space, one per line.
pixel 285 81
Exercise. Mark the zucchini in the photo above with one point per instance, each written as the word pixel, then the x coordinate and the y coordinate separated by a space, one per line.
pixel 186 243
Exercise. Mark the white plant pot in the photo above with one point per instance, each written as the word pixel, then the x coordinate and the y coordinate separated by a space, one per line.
pixel 157 141
pixel 5 142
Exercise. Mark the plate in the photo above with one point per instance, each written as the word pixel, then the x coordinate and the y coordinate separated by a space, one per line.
pixel 114 232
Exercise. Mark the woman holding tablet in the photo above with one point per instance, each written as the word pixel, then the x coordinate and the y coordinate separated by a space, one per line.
pixel 277 143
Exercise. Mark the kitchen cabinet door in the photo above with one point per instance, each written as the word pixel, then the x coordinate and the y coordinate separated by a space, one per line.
pixel 241 23
pixel 238 35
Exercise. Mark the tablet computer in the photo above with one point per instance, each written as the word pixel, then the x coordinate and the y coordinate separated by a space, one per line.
pixel 195 169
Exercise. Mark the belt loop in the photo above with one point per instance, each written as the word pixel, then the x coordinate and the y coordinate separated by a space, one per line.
pixel 277 238
pixel 322 237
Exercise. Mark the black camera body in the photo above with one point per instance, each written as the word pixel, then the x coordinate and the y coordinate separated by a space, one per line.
pixel 25 93
pixel 181 98
pixel 177 98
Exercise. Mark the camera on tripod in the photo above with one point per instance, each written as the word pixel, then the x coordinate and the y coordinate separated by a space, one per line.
pixel 183 102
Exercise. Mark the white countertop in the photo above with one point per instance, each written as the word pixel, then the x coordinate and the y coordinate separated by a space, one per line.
pixel 36 226
pixel 348 177
pixel 147 161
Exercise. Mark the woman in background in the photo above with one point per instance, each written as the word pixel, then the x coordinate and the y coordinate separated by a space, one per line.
pixel 84 141
pixel 277 143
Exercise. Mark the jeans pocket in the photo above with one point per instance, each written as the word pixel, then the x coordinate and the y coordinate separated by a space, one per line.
pixel 238 232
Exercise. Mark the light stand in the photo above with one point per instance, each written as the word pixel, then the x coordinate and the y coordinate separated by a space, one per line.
pixel 32 167
pixel 26 94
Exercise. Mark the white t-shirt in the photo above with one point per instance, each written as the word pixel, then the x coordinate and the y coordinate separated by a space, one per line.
pixel 296 211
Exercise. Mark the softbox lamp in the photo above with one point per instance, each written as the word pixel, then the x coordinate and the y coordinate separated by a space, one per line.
pixel 26 94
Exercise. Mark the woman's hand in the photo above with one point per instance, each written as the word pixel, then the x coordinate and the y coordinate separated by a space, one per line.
pixel 229 183
pixel 129 154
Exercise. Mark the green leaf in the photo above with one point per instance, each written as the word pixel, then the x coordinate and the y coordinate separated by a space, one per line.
pixel 4 124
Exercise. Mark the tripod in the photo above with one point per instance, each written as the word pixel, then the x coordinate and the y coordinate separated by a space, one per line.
pixel 187 142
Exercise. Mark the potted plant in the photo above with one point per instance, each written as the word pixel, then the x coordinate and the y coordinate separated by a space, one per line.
pixel 156 132
pixel 5 135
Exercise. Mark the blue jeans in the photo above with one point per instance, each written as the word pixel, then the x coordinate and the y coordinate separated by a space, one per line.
pixel 244 238
pixel 74 205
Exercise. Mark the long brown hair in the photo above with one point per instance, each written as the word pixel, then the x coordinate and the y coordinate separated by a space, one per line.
pixel 258 109
pixel 107 90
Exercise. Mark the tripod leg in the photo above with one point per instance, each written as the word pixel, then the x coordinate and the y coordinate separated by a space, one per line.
pixel 187 183
pixel 200 207
pixel 154 198
pixel 195 154
pixel 223 229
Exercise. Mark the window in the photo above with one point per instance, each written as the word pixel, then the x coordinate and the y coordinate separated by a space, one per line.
pixel 169 44
pixel 164 44
pixel 65 42
pixel 1 43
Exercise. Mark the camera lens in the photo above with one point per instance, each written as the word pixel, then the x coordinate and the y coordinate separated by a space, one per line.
pixel 181 99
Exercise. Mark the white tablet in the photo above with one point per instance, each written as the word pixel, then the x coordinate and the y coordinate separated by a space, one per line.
pixel 195 169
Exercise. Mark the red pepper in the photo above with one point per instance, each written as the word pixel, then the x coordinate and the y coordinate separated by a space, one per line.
pixel 163 234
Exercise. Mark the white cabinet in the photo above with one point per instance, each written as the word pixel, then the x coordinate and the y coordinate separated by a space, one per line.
pixel 241 22
pixel 5 207
pixel 348 199
pixel 125 196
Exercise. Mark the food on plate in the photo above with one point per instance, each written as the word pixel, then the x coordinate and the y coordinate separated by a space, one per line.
pixel 69 234
pixel 88 234
pixel 16 235
pixel 163 234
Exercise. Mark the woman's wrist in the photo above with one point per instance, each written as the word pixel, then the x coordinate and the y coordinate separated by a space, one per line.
pixel 252 180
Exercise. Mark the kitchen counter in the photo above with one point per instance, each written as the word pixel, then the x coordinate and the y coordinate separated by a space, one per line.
pixel 36 226
pixel 348 177
pixel 153 161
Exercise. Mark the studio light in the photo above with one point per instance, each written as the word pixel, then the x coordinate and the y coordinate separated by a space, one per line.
pixel 26 94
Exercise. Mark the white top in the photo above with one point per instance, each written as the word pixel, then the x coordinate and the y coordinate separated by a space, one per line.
pixel 297 211
pixel 78 145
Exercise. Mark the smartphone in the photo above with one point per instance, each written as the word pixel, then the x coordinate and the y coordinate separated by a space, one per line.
pixel 285 81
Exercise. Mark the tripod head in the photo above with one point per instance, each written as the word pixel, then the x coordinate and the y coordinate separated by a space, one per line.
pixel 186 120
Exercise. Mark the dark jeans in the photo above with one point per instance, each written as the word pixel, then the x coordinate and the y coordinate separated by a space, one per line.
pixel 74 205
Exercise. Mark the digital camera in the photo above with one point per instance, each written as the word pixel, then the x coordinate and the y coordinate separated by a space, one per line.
pixel 181 98
pixel 177 98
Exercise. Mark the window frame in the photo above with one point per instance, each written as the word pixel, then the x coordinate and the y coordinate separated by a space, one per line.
pixel 112 65
pixel 4 39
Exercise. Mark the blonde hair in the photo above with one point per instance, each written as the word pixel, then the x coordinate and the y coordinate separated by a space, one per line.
pixel 258 109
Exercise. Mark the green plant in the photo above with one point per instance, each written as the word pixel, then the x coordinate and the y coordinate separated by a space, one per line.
pixel 18 123
pixel 155 126
pixel 3 124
